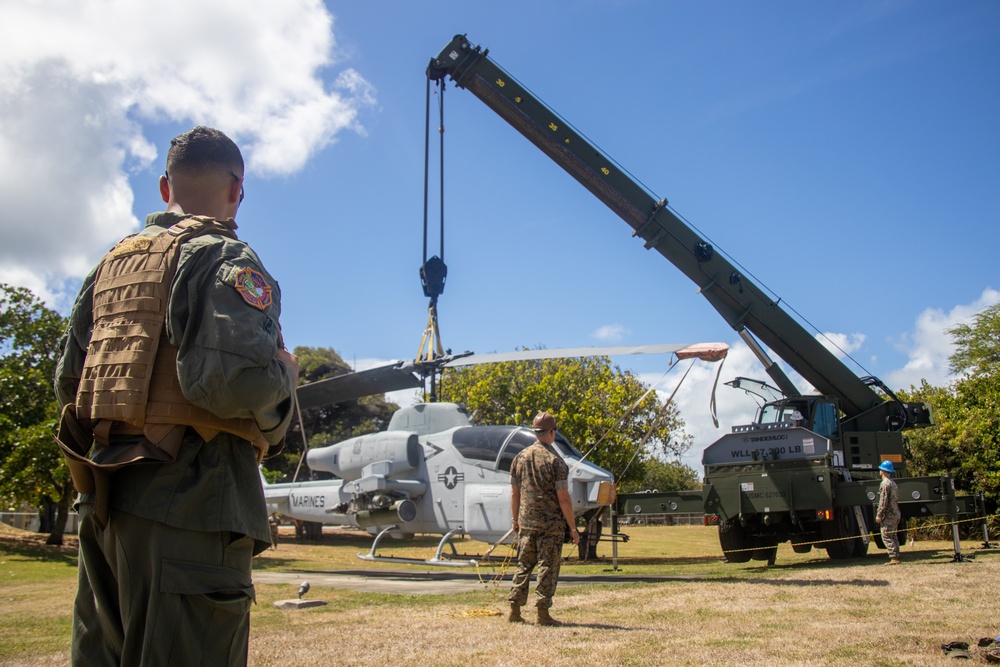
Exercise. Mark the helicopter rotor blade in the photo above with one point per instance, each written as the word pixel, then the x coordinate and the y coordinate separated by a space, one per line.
pixel 706 351
pixel 378 380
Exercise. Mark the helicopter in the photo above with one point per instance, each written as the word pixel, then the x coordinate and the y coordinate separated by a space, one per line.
pixel 432 470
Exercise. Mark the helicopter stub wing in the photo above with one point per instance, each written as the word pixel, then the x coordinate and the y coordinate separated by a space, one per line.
pixel 705 351
pixel 379 380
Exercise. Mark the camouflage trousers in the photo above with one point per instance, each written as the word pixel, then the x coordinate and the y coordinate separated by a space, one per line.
pixel 889 536
pixel 544 549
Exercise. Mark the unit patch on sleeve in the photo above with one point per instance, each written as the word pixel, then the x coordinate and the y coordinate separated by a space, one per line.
pixel 253 288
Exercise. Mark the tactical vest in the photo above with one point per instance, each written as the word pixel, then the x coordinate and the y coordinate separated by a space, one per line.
pixel 130 383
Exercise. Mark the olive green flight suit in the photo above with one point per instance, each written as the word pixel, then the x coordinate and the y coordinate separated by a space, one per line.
pixel 167 581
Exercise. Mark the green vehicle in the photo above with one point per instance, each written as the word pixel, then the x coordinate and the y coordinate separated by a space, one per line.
pixel 811 481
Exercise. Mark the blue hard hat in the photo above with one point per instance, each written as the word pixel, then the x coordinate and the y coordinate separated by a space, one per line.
pixel 887 466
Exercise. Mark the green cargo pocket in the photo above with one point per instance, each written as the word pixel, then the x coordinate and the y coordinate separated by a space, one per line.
pixel 223 585
pixel 203 617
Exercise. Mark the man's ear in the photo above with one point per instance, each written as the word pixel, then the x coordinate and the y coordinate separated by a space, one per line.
pixel 234 191
pixel 164 189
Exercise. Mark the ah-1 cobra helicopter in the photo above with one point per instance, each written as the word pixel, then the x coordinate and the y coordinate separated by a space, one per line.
pixel 432 470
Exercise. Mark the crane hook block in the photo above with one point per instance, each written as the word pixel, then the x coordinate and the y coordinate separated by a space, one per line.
pixel 432 276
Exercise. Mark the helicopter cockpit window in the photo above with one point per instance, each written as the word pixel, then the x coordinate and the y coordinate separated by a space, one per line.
pixel 521 440
pixel 564 447
pixel 482 443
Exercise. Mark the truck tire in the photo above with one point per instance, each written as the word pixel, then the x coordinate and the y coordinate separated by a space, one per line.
pixel 843 527
pixel 861 548
pixel 734 541
pixel 801 548
pixel 766 548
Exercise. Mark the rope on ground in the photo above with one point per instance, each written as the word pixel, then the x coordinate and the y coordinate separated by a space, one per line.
pixel 490 582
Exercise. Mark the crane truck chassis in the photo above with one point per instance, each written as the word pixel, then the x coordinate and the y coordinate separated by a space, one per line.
pixel 812 483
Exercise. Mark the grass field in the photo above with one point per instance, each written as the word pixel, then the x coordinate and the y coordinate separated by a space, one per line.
pixel 806 610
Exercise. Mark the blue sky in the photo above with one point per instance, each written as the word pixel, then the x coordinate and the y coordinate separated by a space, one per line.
pixel 845 154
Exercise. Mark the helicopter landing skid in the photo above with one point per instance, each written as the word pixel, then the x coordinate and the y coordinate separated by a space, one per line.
pixel 454 559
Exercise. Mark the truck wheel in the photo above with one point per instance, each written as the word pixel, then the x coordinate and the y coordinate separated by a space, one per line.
pixel 801 548
pixel 734 541
pixel 843 527
pixel 767 547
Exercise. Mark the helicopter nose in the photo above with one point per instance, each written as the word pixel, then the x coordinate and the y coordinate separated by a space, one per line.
pixel 601 492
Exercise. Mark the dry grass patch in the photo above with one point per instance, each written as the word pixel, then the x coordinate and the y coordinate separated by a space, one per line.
pixel 807 610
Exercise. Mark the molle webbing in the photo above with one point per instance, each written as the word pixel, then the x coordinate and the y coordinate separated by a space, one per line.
pixel 130 373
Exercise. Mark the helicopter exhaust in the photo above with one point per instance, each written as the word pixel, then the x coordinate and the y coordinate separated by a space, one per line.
pixel 400 511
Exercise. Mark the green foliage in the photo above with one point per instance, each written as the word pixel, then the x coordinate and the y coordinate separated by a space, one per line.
pixel 966 440
pixel 328 423
pixel 591 400
pixel 31 466
pixel 977 345
pixel 664 476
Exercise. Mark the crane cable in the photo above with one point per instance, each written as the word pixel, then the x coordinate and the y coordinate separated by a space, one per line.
pixel 433 270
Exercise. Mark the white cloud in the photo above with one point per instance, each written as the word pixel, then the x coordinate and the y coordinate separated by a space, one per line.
pixel 694 395
pixel 840 344
pixel 79 79
pixel 929 345
pixel 610 333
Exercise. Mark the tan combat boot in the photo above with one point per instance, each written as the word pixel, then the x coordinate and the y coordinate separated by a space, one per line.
pixel 544 618
pixel 515 614
pixel 893 561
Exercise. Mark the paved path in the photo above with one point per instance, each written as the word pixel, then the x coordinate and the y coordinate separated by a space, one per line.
pixel 414 582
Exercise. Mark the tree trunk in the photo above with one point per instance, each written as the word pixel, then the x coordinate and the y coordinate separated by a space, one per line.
pixel 62 516
pixel 47 515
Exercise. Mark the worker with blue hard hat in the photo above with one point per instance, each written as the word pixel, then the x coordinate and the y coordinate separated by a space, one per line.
pixel 888 515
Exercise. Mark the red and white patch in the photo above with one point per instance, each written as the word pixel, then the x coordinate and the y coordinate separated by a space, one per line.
pixel 253 288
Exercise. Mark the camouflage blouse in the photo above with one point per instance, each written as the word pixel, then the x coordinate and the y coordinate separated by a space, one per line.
pixel 888 501
pixel 538 472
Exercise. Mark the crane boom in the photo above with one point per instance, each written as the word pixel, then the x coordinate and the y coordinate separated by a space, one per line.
pixel 744 306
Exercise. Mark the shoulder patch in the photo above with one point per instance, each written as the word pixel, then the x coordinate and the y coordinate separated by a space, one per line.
pixel 253 288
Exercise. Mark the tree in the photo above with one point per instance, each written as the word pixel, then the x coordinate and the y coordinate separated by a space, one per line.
pixel 32 469
pixel 966 440
pixel 934 451
pixel 328 423
pixel 977 345
pixel 665 476
pixel 591 399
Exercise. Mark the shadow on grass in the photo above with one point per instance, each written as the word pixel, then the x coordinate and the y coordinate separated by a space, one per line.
pixel 803 582
pixel 648 560
pixel 592 626
pixel 31 546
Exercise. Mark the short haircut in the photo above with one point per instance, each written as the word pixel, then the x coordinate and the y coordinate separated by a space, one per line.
pixel 203 149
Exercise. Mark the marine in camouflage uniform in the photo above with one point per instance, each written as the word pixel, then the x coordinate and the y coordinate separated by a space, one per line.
pixel 888 515
pixel 541 511
pixel 167 532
